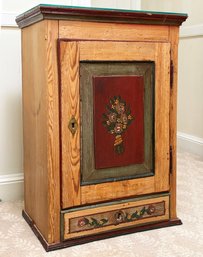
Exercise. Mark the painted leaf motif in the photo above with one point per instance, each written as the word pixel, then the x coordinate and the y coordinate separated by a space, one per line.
pixel 104 221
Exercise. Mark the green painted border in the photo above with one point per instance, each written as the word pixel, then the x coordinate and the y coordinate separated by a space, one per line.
pixel 89 175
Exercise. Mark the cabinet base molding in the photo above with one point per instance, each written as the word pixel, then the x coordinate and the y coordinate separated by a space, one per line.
pixel 91 238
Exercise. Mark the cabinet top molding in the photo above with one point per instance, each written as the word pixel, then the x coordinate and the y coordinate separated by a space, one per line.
pixel 57 12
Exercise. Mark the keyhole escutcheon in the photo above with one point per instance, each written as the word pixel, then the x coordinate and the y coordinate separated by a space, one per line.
pixel 73 125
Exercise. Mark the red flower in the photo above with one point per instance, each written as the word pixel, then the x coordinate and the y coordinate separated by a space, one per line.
pixel 112 117
pixel 118 128
pixel 120 108
pixel 124 118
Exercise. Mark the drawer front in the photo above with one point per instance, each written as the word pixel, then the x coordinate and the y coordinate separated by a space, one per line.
pixel 105 218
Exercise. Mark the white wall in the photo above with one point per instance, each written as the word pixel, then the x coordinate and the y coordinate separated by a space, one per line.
pixel 10 111
pixel 190 82
pixel 23 5
pixel 119 4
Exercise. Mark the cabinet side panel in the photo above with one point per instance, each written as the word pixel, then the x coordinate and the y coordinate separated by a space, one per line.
pixel 40 122
pixel 53 131
pixel 35 125
pixel 173 37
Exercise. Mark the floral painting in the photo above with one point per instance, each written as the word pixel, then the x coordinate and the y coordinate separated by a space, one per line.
pixel 117 120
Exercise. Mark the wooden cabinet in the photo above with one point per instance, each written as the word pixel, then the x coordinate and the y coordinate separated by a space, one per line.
pixel 99 114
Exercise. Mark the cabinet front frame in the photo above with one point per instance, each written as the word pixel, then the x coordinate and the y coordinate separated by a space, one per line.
pixel 70 55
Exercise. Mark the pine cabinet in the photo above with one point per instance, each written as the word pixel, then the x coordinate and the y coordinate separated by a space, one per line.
pixel 99 117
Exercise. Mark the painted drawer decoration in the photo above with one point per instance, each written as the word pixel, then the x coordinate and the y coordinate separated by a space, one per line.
pixel 111 217
pixel 117 216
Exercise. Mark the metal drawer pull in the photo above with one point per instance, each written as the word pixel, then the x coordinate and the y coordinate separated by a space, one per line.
pixel 119 216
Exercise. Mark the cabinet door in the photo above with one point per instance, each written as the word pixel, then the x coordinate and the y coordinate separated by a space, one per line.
pixel 114 120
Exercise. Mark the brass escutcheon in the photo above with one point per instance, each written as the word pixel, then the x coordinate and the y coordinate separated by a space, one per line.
pixel 73 125
pixel 119 216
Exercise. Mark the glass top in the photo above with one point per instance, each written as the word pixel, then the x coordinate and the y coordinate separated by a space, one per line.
pixel 106 9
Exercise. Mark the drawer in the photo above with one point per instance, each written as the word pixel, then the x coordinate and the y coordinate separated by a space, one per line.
pixel 98 219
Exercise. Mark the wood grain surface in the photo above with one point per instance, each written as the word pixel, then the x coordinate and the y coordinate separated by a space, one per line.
pixel 52 154
pixel 162 96
pixel 115 190
pixel 116 51
pixel 174 37
pixel 40 127
pixel 53 164
pixel 108 209
pixel 160 54
pixel 112 31
pixel 34 127
pixel 70 107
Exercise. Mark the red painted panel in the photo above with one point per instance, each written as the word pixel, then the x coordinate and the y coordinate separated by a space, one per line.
pixel 107 125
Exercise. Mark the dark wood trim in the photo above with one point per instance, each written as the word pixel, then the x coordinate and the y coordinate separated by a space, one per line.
pixel 58 50
pixel 106 40
pixel 90 238
pixel 35 230
pixel 42 12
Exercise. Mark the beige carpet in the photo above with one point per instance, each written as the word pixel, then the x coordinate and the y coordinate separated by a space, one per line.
pixel 17 240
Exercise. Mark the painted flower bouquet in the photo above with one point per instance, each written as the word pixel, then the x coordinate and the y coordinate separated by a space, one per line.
pixel 117 119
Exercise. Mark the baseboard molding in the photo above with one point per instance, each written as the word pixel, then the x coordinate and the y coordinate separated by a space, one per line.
pixel 190 143
pixel 11 178
pixel 11 187
pixel 191 31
